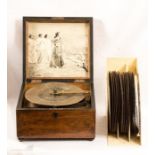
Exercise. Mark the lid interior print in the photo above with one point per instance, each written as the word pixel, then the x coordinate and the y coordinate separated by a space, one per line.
pixel 56 50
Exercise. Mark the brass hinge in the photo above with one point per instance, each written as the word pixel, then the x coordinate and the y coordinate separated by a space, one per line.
pixel 79 80
pixel 36 81
pixel 58 18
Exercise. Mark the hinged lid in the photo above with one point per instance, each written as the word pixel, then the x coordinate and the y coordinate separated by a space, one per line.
pixel 57 48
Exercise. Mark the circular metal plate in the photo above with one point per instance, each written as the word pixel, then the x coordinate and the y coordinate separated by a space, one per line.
pixel 54 94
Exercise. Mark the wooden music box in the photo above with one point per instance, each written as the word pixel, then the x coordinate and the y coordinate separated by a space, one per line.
pixel 57 95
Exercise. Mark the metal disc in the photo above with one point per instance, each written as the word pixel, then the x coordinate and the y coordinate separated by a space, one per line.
pixel 54 94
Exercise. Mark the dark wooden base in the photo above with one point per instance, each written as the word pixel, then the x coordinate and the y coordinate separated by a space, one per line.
pixel 36 123
pixel 56 139
pixel 42 124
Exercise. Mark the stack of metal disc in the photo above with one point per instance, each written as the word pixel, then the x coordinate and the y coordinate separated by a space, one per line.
pixel 123 106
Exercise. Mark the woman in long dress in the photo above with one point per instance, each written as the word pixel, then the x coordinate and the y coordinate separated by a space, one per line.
pixel 43 47
pixel 57 59
pixel 32 55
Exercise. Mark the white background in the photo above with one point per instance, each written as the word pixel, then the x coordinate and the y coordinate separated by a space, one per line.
pixel 120 29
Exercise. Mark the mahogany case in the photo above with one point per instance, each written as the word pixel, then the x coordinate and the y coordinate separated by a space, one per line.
pixel 76 121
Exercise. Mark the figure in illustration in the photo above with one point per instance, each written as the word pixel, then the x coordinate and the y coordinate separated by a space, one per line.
pixel 57 58
pixel 43 46
pixel 48 46
pixel 32 58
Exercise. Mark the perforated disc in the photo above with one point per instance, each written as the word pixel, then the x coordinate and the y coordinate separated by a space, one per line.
pixel 55 94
